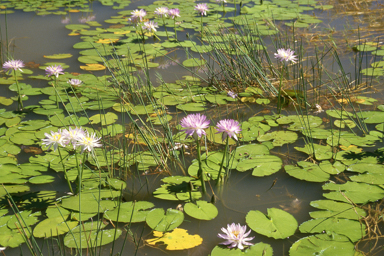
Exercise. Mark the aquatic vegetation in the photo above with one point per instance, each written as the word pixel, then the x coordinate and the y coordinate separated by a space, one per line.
pixel 127 126
pixel 236 236
pixel 15 65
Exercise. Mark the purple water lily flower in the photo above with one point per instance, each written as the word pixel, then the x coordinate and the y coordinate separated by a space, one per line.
pixel 75 82
pixel 232 94
pixel 202 8
pixel 161 11
pixel 54 70
pixel 194 125
pixel 150 26
pixel 228 127
pixel 286 54
pixel 236 236
pixel 173 13
pixel 137 16
pixel 13 64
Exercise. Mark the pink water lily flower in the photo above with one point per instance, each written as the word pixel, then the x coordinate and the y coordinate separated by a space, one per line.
pixel 13 65
pixel 173 13
pixel 54 70
pixel 235 236
pixel 202 8
pixel 228 127
pixel 194 125
pixel 286 54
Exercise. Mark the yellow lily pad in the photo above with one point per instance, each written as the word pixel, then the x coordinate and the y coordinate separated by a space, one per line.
pixel 248 99
pixel 178 239
pixel 107 40
pixel 93 67
pixel 73 11
pixel 122 32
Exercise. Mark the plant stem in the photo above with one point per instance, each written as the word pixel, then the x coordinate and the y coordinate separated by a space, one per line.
pixel 57 93
pixel 201 26
pixel 222 161
pixel 65 171
pixel 200 173
pixel 20 102
pixel 166 31
pixel 279 95
pixel 174 26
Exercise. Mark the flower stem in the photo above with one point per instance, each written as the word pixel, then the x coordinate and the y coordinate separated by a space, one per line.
pixel 57 93
pixel 166 31
pixel 201 26
pixel 20 102
pixel 222 161
pixel 65 171
pixel 200 173
pixel 279 95
pixel 174 25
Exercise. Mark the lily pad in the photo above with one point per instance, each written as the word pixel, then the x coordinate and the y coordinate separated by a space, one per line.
pixel 53 227
pixel 130 212
pixel 162 221
pixel 337 210
pixel 277 223
pixel 279 137
pixel 201 210
pixel 307 171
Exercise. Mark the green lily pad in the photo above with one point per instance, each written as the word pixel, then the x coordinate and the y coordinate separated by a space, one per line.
pixel 259 249
pixel 279 137
pixel 104 119
pixel 53 227
pixel 201 210
pixel 359 193
pixel 320 152
pixel 41 179
pixel 12 237
pixel 162 221
pixel 323 244
pixel 352 229
pixel 194 62
pixel 58 56
pixel 277 223
pixel 337 210
pixel 92 235
pixel 191 107
pixel 307 171
pixel 300 122
pixel 130 212
pixel 24 219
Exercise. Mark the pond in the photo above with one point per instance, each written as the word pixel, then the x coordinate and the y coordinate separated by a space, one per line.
pixel 151 127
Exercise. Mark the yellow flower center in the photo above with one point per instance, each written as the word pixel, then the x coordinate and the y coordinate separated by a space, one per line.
pixel 56 137
pixel 236 233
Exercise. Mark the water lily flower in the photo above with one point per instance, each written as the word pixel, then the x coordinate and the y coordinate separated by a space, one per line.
pixel 150 26
pixel 232 94
pixel 75 82
pixel 287 55
pixel 13 64
pixel 54 139
pixel 54 70
pixel 228 127
pixel 202 8
pixel 72 135
pixel 194 125
pixel 236 236
pixel 88 142
pixel 137 15
pixel 65 20
pixel 161 11
pixel 173 13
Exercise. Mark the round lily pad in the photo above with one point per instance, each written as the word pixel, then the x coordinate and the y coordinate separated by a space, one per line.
pixel 201 210
pixel 162 221
pixel 277 223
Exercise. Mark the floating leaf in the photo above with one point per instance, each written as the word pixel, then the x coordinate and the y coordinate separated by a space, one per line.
pixel 353 229
pixel 130 212
pixel 259 249
pixel 201 210
pixel 92 235
pixel 359 193
pixel 178 239
pixel 194 62
pixel 53 227
pixel 307 171
pixel 320 152
pixel 337 210
pixel 93 67
pixel 277 223
pixel 158 220
pixel 279 137
pixel 323 244
pixel 104 119
pixel 58 56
